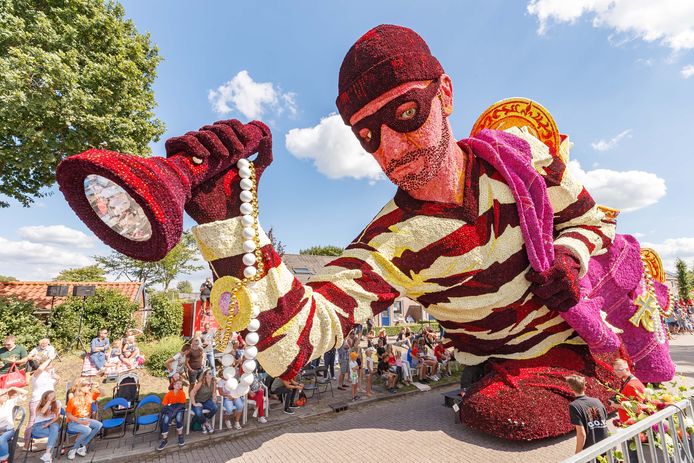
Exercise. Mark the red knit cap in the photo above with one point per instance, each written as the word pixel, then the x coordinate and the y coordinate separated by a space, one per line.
pixel 380 60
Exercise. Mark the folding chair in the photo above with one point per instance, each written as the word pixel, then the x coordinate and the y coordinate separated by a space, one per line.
pixel 149 419
pixel 191 415
pixel 116 406
pixel 29 450
pixel 324 380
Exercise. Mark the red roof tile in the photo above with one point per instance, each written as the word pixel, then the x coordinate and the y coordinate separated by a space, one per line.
pixel 35 291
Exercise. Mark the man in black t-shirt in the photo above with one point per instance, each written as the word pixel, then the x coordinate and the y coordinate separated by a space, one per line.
pixel 588 414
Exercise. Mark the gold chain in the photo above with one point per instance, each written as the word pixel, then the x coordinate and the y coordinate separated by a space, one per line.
pixel 226 333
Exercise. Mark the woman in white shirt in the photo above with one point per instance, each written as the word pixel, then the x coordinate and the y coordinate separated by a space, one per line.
pixel 8 399
pixel 42 380
pixel 46 425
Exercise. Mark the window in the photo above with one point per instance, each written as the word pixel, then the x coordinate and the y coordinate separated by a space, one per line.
pixel 302 271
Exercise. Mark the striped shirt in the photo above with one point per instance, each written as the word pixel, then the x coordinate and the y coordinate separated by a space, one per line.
pixel 465 264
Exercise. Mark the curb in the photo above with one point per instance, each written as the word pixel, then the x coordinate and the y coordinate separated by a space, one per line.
pixel 132 455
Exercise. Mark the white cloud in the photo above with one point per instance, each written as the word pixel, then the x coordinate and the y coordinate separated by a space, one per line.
pixel 606 145
pixel 669 22
pixel 687 71
pixel 35 261
pixel 334 150
pixel 638 234
pixel 672 249
pixel 56 234
pixel 624 190
pixel 252 99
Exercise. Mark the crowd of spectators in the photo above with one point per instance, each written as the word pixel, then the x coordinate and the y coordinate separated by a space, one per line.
pixel 682 318
pixel 113 358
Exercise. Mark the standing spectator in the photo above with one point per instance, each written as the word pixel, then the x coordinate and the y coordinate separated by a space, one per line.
pixel 174 406
pixel 8 399
pixel 287 390
pixel 354 374
pixel 369 369
pixel 587 414
pixel 231 405
pixel 343 358
pixel 176 364
pixel 12 353
pixel 205 291
pixel 207 339
pixel 369 324
pixel 98 348
pixel 631 389
pixel 195 361
pixel 203 396
pixel 78 412
pixel 329 361
pixel 46 425
pixel 40 354
pixel 383 335
pixel 43 380
pixel 401 335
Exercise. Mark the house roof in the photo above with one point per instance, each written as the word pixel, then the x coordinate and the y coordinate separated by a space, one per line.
pixel 35 291
pixel 304 266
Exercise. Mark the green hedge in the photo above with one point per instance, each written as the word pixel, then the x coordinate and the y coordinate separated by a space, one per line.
pixel 166 318
pixel 414 327
pixel 158 352
pixel 17 318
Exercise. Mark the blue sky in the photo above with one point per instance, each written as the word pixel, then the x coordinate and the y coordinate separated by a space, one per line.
pixel 618 77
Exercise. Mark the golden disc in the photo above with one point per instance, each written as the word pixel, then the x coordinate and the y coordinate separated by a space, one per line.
pixel 521 112
pixel 652 261
pixel 229 298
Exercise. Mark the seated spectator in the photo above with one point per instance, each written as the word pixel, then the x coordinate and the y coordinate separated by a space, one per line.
pixel 287 391
pixel 195 361
pixel 443 357
pixel 131 353
pixel 401 335
pixel 382 335
pixel 43 380
pixel 425 362
pixel 114 363
pixel 46 424
pixel 39 354
pixel 173 409
pixel 257 394
pixel 8 399
pixel 98 348
pixel 203 396
pixel 133 332
pixel 231 405
pixel 381 347
pixel 389 378
pixel 78 412
pixel 12 353
pixel 403 368
pixel 176 364
pixel 370 338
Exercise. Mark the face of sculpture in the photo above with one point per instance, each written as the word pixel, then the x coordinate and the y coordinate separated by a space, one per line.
pixel 406 130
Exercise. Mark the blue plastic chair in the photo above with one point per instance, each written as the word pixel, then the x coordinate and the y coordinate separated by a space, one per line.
pixel 115 422
pixel 145 420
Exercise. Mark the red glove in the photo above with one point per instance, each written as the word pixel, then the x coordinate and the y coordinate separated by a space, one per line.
pixel 216 148
pixel 558 286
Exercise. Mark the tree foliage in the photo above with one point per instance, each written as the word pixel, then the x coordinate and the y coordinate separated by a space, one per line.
pixel 328 250
pixel 683 282
pixel 184 286
pixel 17 318
pixel 7 278
pixel 181 260
pixel 73 75
pixel 88 273
pixel 277 244
pixel 106 309
pixel 166 316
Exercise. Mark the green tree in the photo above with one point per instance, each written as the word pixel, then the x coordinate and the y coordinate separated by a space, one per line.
pixel 89 273
pixel 7 278
pixel 17 318
pixel 179 261
pixel 106 309
pixel 683 282
pixel 277 244
pixel 73 75
pixel 328 250
pixel 184 287
pixel 166 316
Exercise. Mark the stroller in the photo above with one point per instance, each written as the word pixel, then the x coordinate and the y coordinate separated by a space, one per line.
pixel 127 387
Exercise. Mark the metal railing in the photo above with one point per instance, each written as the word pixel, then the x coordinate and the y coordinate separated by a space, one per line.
pixel 681 450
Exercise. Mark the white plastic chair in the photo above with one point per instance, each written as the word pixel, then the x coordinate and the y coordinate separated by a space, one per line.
pixel 266 404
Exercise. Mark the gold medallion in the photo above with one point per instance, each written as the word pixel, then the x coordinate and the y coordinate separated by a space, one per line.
pixel 231 303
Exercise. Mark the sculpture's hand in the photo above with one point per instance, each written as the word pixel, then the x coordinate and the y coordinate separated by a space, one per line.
pixel 558 286
pixel 214 150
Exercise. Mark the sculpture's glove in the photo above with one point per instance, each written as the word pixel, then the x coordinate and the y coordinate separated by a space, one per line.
pixel 215 149
pixel 558 286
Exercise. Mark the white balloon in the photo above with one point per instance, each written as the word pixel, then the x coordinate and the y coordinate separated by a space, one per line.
pixel 249 366
pixel 247 379
pixel 250 272
pixel 227 360
pixel 255 311
pixel 254 324
pixel 240 391
pixel 254 296
pixel 249 246
pixel 247 220
pixel 249 259
pixel 245 172
pixel 248 232
pixel 246 184
pixel 241 163
pixel 246 196
pixel 250 352
pixel 231 383
pixel 246 208
pixel 252 339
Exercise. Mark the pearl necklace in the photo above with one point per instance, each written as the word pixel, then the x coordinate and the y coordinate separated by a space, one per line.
pixel 252 272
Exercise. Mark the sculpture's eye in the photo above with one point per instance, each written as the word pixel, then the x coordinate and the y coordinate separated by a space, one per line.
pixel 407 111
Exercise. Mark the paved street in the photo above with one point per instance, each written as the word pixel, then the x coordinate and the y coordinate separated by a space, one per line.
pixel 415 428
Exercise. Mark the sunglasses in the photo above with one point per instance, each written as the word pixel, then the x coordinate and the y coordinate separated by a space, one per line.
pixel 410 120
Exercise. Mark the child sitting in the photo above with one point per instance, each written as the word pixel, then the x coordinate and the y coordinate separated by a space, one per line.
pixel 174 405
